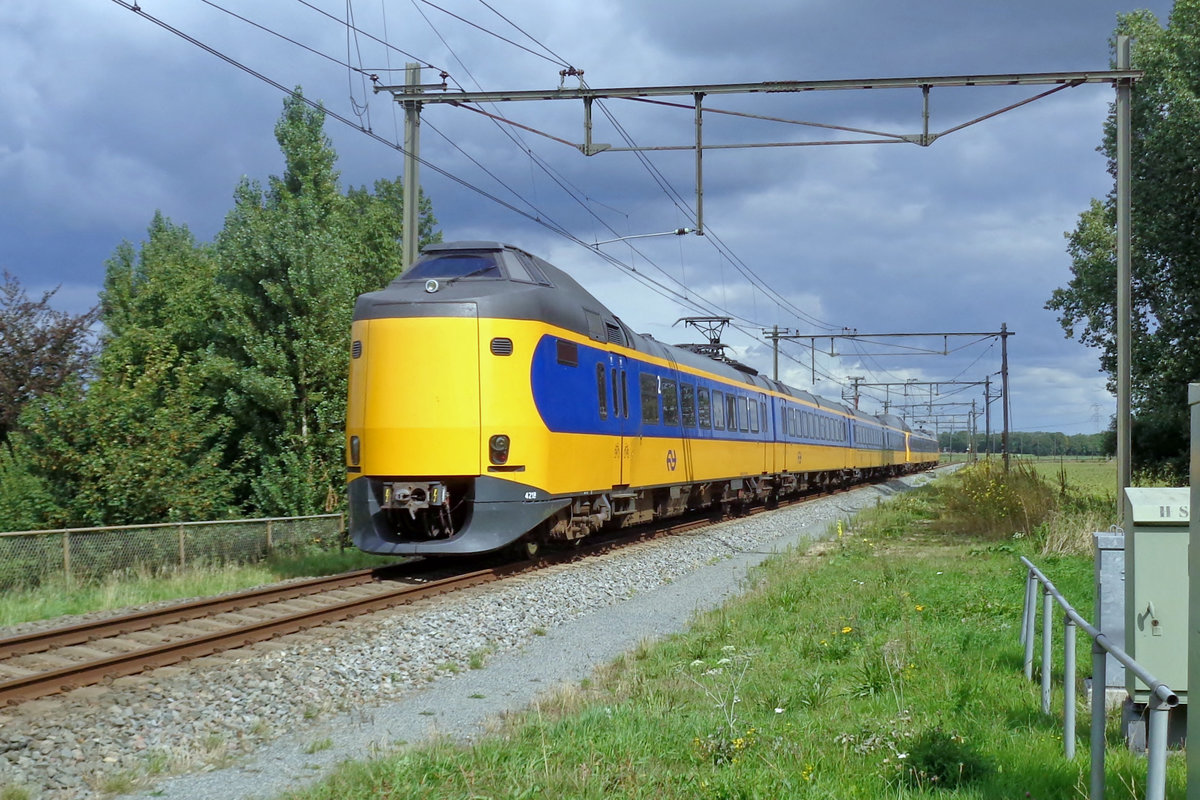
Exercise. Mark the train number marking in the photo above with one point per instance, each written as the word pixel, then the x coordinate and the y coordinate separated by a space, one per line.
pixel 671 460
pixel 531 495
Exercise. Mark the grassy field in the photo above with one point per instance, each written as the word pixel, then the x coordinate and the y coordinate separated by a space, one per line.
pixel 882 663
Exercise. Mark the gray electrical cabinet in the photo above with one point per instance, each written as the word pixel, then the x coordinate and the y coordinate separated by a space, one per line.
pixel 1156 586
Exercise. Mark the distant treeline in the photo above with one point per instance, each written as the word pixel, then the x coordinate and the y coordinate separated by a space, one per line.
pixel 216 383
pixel 1032 444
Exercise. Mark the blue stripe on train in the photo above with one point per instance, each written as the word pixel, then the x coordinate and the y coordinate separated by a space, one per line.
pixel 566 390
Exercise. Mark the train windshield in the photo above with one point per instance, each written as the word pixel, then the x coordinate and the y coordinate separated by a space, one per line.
pixel 465 265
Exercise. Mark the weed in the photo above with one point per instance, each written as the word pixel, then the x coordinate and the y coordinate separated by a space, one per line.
pixel 318 745
pixel 478 657
pixel 940 759
pixel 815 691
pixel 120 782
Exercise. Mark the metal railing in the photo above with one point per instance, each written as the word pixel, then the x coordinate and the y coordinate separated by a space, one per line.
pixel 29 558
pixel 1162 699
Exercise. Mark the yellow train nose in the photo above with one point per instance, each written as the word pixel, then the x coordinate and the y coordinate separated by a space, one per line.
pixel 414 396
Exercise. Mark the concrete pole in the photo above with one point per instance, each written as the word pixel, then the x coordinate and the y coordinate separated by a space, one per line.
pixel 1004 390
pixel 1124 281
pixel 1193 669
pixel 412 180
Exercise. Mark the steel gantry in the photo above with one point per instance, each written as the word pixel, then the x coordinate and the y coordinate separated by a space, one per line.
pixel 412 95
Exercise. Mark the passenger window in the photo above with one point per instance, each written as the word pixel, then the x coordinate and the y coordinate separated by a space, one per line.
pixel 616 398
pixel 762 415
pixel 602 391
pixel 731 413
pixel 704 408
pixel 687 400
pixel 743 416
pixel 670 400
pixel 718 402
pixel 649 386
pixel 753 417
pixel 625 394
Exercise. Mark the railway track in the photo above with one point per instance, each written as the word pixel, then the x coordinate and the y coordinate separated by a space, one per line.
pixel 48 662
pixel 43 663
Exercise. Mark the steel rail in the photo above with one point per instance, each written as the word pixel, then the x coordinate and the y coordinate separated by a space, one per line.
pixel 29 687
pixel 40 641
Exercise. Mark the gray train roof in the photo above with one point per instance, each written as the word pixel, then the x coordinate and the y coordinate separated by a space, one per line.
pixel 521 293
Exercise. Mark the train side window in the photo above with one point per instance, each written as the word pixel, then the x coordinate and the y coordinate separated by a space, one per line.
pixel 602 391
pixel 624 394
pixel 789 419
pixel 687 404
pixel 568 353
pixel 616 397
pixel 762 415
pixel 702 404
pixel 743 415
pixel 753 415
pixel 670 401
pixel 649 393
pixel 731 416
pixel 718 403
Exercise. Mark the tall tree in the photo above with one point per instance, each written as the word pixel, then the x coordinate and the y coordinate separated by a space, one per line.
pixel 40 348
pixel 293 257
pixel 143 440
pixel 1166 249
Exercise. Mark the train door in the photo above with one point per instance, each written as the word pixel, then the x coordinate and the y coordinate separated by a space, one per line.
pixel 619 383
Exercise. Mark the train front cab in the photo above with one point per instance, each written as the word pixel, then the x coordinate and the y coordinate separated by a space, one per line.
pixel 437 465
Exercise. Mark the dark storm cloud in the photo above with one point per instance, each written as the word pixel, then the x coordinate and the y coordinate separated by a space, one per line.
pixel 110 118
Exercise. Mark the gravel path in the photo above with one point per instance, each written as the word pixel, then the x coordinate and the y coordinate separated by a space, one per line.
pixel 275 716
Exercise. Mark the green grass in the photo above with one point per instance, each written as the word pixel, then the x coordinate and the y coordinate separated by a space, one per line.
pixel 1091 476
pixel 884 663
pixel 59 598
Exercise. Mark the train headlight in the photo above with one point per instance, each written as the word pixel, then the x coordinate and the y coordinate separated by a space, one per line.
pixel 355 450
pixel 498 448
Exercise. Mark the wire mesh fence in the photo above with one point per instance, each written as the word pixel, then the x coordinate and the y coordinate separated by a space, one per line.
pixel 29 558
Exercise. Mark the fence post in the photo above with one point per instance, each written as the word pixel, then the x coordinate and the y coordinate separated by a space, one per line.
pixel 342 541
pixel 1099 709
pixel 1068 687
pixel 66 534
pixel 182 551
pixel 1156 751
pixel 1047 644
pixel 1027 623
pixel 270 530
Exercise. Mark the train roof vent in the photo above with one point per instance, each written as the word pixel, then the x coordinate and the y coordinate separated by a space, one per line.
pixel 614 334
pixel 502 346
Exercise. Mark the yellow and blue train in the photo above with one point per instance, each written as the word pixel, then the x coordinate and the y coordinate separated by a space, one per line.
pixel 495 402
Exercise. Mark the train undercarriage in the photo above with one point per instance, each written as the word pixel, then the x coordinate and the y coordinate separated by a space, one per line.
pixel 460 516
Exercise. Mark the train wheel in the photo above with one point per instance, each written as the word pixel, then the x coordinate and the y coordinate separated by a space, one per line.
pixel 530 545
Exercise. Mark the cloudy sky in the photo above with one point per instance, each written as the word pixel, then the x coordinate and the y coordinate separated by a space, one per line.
pixel 109 116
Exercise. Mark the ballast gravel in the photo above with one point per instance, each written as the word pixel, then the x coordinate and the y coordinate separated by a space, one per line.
pixel 258 721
